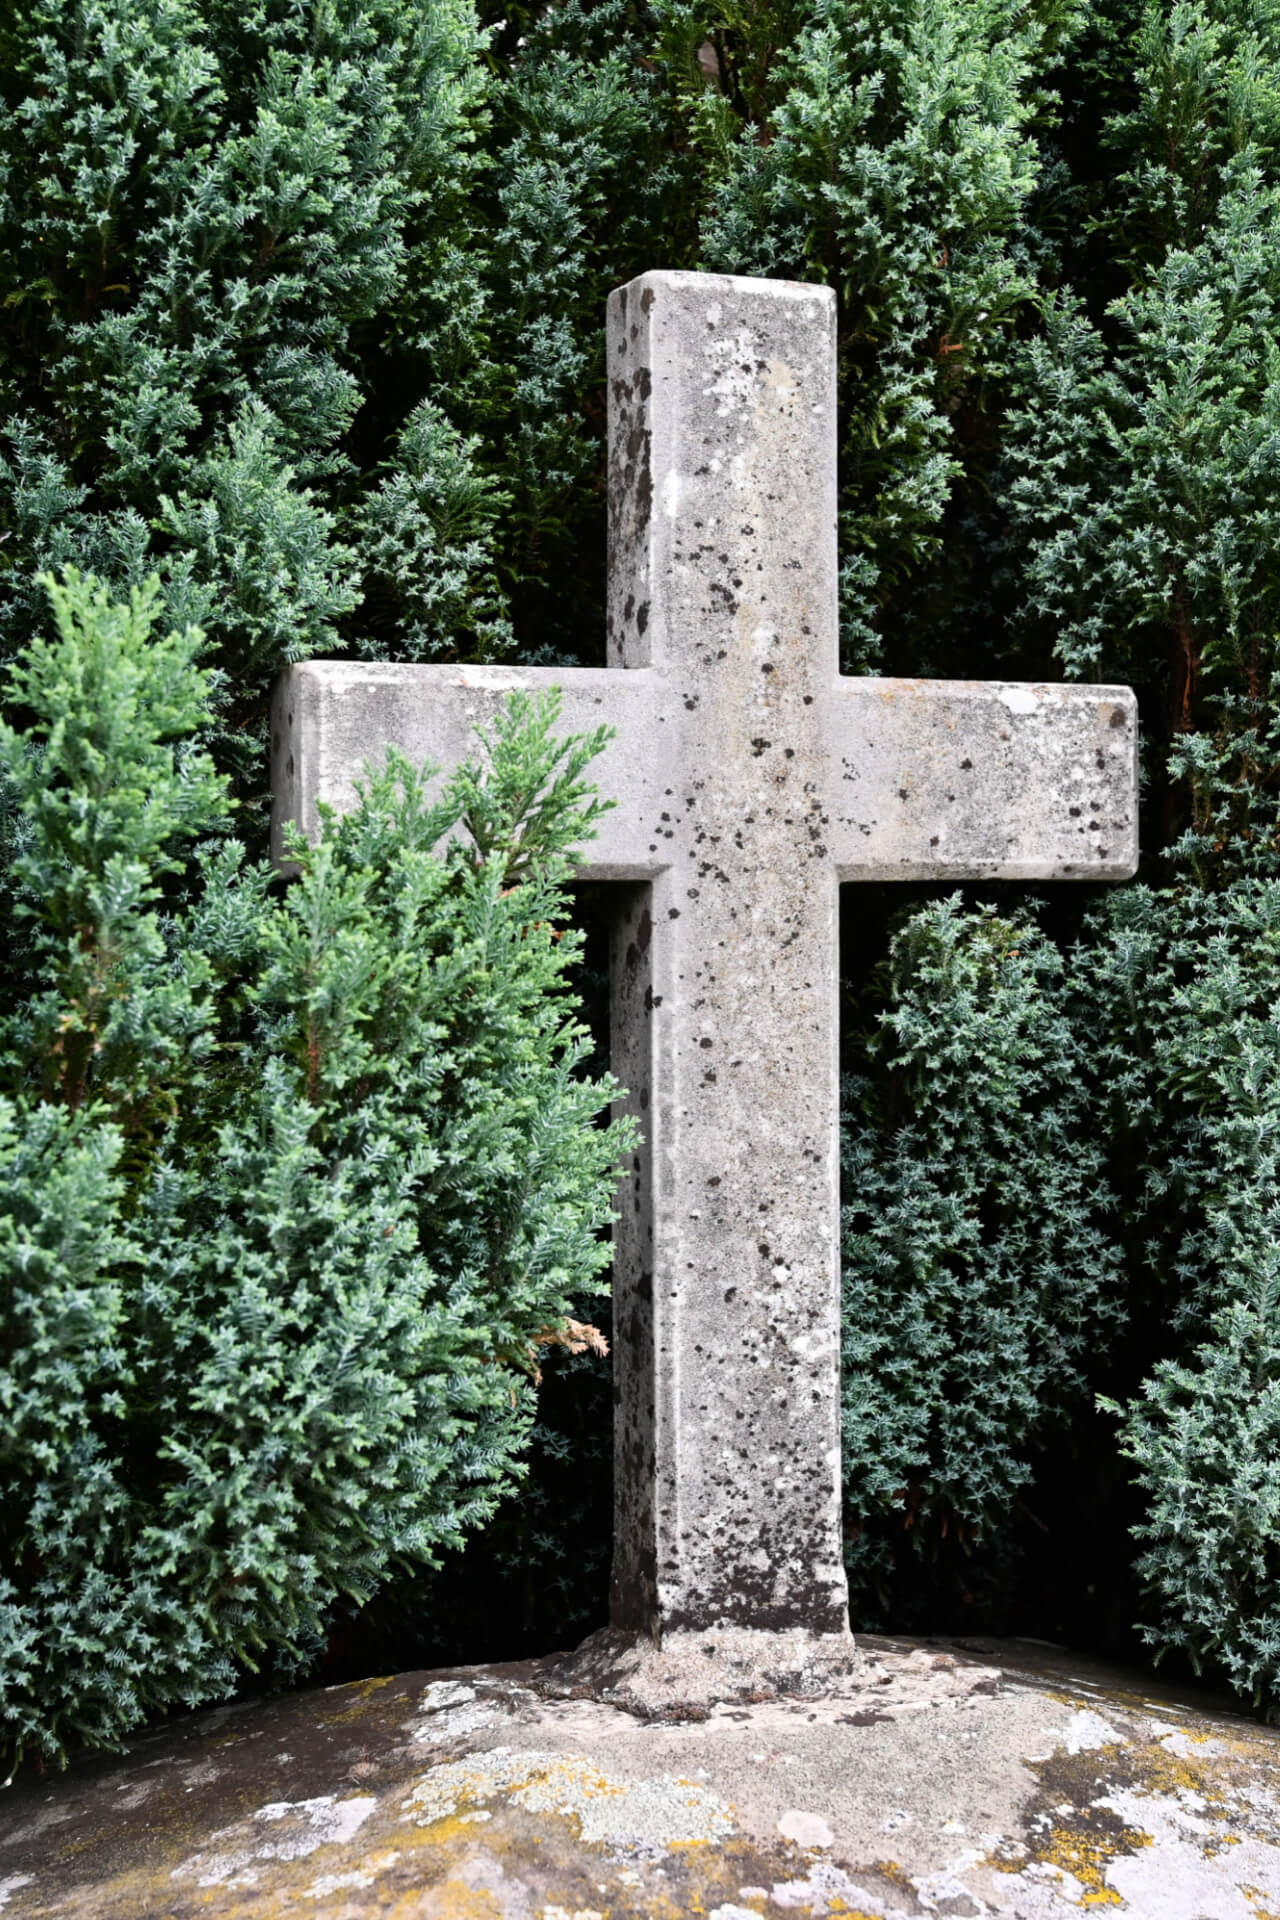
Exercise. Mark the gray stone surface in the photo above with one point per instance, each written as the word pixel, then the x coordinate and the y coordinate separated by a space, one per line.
pixel 925 1783
pixel 751 778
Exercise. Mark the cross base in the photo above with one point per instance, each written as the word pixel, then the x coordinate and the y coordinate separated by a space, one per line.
pixel 685 1674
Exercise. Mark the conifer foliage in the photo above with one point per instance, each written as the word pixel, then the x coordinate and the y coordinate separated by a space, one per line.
pixel 294 1183
pixel 301 319
pixel 1133 1134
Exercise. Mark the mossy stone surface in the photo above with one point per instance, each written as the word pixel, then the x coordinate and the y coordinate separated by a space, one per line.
pixel 930 1783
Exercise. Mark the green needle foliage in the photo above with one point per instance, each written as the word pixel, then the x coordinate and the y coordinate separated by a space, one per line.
pixel 1118 1156
pixel 294 1182
pixel 301 317
pixel 973 1293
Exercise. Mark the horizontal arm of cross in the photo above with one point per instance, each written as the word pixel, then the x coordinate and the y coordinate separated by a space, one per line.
pixel 981 779
pixel 919 780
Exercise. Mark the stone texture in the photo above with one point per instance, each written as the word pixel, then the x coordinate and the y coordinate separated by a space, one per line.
pixel 751 778
pixel 928 1783
pixel 684 1673
pixel 723 577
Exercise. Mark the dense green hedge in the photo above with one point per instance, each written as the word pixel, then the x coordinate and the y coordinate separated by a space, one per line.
pixel 295 1184
pixel 1099 1211
pixel 300 311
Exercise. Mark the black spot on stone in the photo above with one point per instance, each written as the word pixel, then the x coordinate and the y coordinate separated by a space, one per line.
pixel 673 913
pixel 1117 716
pixel 966 766
pixel 644 489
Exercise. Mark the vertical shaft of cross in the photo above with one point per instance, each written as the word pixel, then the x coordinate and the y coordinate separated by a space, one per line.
pixel 723 579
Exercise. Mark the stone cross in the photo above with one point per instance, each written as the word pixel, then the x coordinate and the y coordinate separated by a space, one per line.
pixel 751 779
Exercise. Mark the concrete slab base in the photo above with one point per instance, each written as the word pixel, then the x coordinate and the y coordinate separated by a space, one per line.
pixel 923 1781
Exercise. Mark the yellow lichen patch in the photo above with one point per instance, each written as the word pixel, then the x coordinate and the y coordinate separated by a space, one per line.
pixel 452 1900
pixel 448 1828
pixel 574 1778
pixel 1086 1857
pixel 1154 1769
pixel 362 1692
pixel 1255 1897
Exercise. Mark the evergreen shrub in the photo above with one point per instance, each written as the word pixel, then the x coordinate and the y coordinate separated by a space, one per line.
pixel 300 312
pixel 295 1183
pixel 1136 481
pixel 979 1268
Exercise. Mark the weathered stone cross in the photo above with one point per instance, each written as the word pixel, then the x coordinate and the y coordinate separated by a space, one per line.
pixel 751 778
